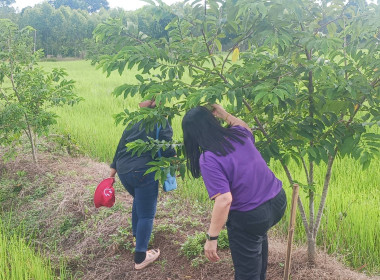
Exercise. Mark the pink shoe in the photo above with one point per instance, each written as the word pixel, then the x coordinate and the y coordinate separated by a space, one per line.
pixel 151 256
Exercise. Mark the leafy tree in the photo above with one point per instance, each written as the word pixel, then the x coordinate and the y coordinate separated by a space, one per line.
pixel 27 93
pixel 8 12
pixel 59 31
pixel 40 17
pixel 6 3
pixel 152 21
pixel 96 48
pixel 94 6
pixel 308 80
pixel 89 5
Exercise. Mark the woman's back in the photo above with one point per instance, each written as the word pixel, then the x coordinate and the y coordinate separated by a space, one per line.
pixel 243 172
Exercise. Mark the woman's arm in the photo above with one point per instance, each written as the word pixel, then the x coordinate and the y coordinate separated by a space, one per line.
pixel 218 220
pixel 219 112
pixel 112 172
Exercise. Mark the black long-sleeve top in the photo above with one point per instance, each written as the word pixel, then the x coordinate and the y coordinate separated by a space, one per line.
pixel 123 160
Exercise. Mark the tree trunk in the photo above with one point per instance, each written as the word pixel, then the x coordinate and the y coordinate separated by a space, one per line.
pixel 34 150
pixel 311 250
pixel 32 142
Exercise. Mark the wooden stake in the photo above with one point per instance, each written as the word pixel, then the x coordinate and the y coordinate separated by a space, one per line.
pixel 291 231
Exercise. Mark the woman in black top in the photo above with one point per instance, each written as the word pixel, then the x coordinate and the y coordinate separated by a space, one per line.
pixel 144 189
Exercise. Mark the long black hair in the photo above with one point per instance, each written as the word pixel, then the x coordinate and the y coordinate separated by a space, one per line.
pixel 203 132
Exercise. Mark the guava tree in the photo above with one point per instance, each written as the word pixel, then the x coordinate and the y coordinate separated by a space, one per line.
pixel 305 74
pixel 27 92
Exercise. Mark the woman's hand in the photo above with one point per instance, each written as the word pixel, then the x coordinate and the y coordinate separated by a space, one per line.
pixel 219 111
pixel 210 250
pixel 147 104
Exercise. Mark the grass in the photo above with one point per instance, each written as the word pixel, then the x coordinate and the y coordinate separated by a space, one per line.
pixel 350 226
pixel 18 260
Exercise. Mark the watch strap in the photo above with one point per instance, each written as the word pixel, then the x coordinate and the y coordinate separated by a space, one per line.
pixel 211 237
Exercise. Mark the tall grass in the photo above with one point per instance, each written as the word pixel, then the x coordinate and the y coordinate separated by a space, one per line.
pixel 351 224
pixel 19 261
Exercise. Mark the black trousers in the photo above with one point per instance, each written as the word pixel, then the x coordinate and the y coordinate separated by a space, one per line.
pixel 247 234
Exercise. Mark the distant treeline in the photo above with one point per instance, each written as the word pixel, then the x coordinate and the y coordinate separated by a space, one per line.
pixel 64 28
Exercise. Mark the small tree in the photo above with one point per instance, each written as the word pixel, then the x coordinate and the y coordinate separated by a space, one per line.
pixel 27 93
pixel 308 78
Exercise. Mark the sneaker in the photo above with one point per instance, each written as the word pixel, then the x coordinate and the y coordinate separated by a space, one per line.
pixel 151 256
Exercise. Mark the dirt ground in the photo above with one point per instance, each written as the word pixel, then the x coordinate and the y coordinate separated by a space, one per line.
pixel 96 243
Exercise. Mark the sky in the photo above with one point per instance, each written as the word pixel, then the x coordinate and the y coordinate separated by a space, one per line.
pixel 125 4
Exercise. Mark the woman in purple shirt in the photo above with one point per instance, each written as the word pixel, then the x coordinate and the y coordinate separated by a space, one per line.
pixel 248 196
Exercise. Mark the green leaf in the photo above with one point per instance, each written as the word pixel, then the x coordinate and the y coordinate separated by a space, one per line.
pixel 140 78
pixel 260 96
pixel 231 96
pixel 171 74
pixel 331 29
pixel 262 9
pixel 218 44
pixel 182 170
pixel 347 146
pixel 120 89
pixel 312 152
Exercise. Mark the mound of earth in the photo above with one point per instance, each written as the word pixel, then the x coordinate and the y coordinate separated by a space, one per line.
pixel 54 202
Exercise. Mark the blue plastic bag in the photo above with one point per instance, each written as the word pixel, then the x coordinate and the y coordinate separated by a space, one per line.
pixel 170 182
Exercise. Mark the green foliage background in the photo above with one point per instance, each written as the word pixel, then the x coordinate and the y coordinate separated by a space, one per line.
pixel 307 78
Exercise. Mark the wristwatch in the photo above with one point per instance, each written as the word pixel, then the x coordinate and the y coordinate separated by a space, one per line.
pixel 211 237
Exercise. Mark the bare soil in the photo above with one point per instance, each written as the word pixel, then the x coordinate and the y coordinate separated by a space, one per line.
pixel 54 200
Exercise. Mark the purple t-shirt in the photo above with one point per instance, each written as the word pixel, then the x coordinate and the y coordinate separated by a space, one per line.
pixel 242 172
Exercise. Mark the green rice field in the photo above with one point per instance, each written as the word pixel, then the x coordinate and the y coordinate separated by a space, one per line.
pixel 18 260
pixel 351 225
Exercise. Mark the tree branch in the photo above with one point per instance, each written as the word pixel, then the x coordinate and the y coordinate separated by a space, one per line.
pixel 5 97
pixel 303 215
pixel 311 206
pixel 202 69
pixel 262 80
pixel 324 192
pixel 212 59
pixel 344 50
pixel 250 32
pixel 304 165
pixel 311 163
pixel 134 38
pixel 327 23
pixel 300 204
